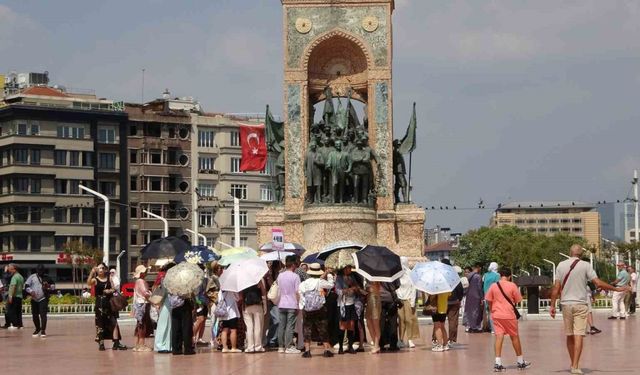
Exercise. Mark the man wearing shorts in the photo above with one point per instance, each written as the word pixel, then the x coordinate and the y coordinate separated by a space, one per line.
pixel 502 297
pixel 572 276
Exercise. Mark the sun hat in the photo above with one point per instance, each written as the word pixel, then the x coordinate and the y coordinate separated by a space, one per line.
pixel 161 262
pixel 315 270
pixel 139 270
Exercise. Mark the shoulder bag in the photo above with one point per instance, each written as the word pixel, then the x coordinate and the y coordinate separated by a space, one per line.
pixel 515 309
pixel 274 293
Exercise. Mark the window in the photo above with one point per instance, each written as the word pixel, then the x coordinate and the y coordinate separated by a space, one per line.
pixel 133 239
pixel 21 185
pixel 133 129
pixel 60 215
pixel 171 129
pixel 35 129
pixel 60 187
pixel 239 191
pixel 235 138
pixel 205 163
pixel 35 157
pixel 59 157
pixel 205 138
pixel 520 221
pixel 74 215
pixel 205 190
pixel 553 221
pixel 22 129
pixel 21 156
pixel 36 186
pixel 36 214
pixel 565 221
pixel 108 188
pixel 155 183
pixel 87 215
pixel 542 230
pixel 133 156
pixel 74 158
pixel 244 240
pixel 268 168
pixel 70 132
pixel 542 221
pixel 112 217
pixel 87 159
pixel 21 242
pixel 235 165
pixel 107 135
pixel 74 187
pixel 244 218
pixel 266 193
pixel 152 130
pixel 206 219
pixel 36 243
pixel 577 229
pixel 59 242
pixel 107 160
pixel 155 156
pixel 577 221
pixel 155 209
pixel 21 214
pixel 133 185
pixel 133 211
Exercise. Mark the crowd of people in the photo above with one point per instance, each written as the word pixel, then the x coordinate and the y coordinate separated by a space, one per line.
pixel 297 305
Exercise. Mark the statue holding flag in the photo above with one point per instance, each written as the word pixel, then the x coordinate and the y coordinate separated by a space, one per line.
pixel 400 148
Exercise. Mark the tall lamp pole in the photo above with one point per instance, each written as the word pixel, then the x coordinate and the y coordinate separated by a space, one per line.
pixel 198 235
pixel 554 269
pixel 105 233
pixel 164 221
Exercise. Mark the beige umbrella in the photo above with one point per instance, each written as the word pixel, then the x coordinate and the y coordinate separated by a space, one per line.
pixel 340 259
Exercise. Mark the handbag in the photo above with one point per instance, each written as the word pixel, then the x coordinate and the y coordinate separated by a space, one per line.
pixel 515 309
pixel 274 293
pixel 221 308
pixel 118 302
pixel 157 296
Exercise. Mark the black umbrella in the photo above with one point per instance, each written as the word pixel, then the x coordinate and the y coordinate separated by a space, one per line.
pixel 167 247
pixel 378 263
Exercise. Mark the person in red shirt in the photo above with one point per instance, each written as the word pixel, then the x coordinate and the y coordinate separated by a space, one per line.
pixel 502 298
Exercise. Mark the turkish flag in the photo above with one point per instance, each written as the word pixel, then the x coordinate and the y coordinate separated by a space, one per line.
pixel 254 148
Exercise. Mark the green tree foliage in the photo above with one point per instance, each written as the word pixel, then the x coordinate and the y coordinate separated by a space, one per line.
pixel 513 247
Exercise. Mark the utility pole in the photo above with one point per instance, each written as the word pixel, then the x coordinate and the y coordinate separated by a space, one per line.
pixel 164 221
pixel 236 222
pixel 635 203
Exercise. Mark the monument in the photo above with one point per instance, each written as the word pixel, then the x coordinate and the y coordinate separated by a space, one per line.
pixel 337 176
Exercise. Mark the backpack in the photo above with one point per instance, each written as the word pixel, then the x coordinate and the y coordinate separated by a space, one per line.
pixel 313 300
pixel 252 296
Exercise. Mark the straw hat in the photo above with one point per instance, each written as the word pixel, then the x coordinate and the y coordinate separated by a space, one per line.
pixel 139 270
pixel 315 270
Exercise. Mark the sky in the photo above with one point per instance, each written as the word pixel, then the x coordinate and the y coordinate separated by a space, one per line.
pixel 516 100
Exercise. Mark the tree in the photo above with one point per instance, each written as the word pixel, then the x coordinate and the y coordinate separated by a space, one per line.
pixel 81 257
pixel 513 247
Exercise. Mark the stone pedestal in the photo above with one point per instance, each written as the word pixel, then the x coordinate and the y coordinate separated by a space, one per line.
pixel 400 229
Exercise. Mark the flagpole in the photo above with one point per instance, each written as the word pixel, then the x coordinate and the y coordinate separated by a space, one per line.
pixel 409 187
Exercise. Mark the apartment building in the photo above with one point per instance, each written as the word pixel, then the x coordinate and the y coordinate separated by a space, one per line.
pixel 575 218
pixel 51 141
pixel 219 179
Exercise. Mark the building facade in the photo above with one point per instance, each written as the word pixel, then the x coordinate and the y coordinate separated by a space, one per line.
pixel 52 141
pixel 575 218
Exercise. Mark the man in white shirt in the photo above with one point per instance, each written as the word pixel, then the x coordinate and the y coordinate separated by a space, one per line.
pixel 631 305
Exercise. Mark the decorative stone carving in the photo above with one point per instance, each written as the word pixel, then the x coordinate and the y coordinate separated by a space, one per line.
pixel 303 25
pixel 382 135
pixel 370 23
pixel 294 146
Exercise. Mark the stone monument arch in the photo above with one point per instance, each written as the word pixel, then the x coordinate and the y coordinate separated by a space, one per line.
pixel 344 46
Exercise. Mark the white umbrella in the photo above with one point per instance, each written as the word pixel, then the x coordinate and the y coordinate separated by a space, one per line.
pixel 276 255
pixel 434 277
pixel 241 275
pixel 287 246
pixel 184 279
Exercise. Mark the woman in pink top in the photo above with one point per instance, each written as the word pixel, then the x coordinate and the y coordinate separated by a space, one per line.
pixel 144 325
pixel 502 298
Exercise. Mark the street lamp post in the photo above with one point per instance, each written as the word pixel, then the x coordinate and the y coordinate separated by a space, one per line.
pixel 105 233
pixel 554 269
pixel 164 221
pixel 198 235
pixel 538 268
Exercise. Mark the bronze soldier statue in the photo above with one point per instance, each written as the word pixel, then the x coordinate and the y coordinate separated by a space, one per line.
pixel 399 171
pixel 361 157
pixel 339 163
pixel 314 165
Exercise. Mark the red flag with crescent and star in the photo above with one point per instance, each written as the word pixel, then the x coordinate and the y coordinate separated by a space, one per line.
pixel 254 148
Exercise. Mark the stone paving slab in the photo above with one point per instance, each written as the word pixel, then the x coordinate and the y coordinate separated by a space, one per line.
pixel 69 349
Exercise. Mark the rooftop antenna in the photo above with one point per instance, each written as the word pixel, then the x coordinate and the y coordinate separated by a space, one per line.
pixel 142 95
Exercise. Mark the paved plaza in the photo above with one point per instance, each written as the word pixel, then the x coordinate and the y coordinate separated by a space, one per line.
pixel 69 349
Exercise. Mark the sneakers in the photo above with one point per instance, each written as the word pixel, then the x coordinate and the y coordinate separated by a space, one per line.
pixel 43 334
pixel 523 365
pixel 499 368
pixel 36 333
pixel 612 317
pixel 327 354
pixel 438 348
pixel 280 350
pixel 12 328
pixel 594 331
pixel 292 350
pixel 306 354
pixel 411 344
pixel 576 371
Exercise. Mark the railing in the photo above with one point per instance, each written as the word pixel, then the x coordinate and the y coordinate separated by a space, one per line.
pixel 64 309
pixel 545 304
